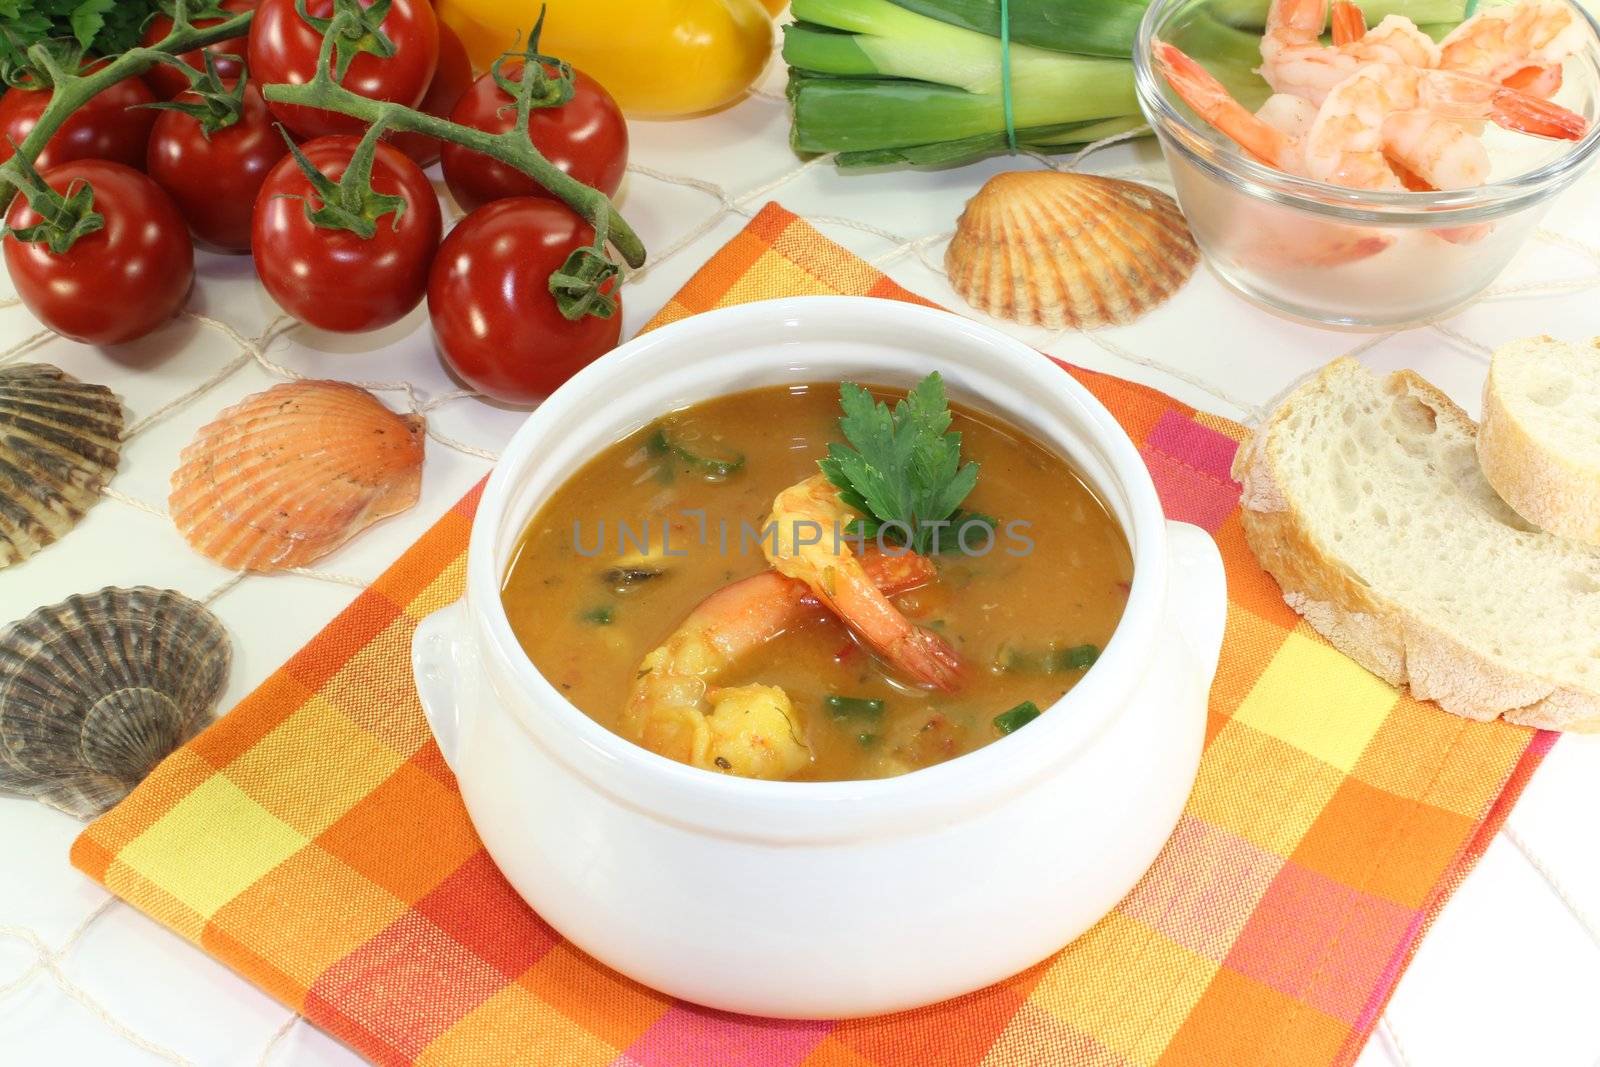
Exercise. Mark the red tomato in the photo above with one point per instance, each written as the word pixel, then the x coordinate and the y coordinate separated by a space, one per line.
pixel 586 137
pixel 214 179
pixel 115 284
pixel 452 78
pixel 336 279
pixel 497 325
pixel 284 48
pixel 167 82
pixel 107 127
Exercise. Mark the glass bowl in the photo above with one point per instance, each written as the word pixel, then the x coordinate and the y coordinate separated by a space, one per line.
pixel 1338 256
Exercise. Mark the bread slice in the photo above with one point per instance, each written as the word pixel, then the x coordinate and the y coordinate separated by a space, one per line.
pixel 1539 444
pixel 1364 499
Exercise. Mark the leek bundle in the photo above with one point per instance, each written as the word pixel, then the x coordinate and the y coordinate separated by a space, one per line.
pixel 884 82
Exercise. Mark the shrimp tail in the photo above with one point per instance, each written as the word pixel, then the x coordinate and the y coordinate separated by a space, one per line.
pixel 1349 23
pixel 915 650
pixel 1536 81
pixel 1211 101
pixel 841 582
pixel 1298 20
pixel 929 656
pixel 1526 113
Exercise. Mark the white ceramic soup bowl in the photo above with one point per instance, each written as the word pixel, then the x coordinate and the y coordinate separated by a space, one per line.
pixel 827 899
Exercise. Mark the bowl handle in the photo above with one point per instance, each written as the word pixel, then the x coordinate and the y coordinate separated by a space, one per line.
pixel 1197 602
pixel 442 661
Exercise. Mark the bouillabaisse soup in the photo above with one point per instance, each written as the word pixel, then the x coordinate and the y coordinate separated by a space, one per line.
pixel 701 589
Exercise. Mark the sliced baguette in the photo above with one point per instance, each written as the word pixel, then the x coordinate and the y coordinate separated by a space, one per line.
pixel 1364 499
pixel 1539 444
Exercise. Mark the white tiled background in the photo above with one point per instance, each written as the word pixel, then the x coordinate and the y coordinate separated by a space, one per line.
pixel 1510 974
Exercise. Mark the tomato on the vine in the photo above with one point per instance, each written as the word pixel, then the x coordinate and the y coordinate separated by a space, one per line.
pixel 497 325
pixel 335 279
pixel 116 283
pixel 284 48
pixel 214 177
pixel 109 126
pixel 586 137
pixel 167 81
pixel 451 78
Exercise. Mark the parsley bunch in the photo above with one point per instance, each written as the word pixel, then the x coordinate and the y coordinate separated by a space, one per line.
pixel 903 466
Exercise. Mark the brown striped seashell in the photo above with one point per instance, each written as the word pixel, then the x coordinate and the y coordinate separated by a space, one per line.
pixel 287 476
pixel 98 689
pixel 1069 250
pixel 60 440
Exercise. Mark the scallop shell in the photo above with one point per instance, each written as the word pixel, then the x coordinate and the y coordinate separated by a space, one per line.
pixel 96 690
pixel 60 440
pixel 1069 250
pixel 286 476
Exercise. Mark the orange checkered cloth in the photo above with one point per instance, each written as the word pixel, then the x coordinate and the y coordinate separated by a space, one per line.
pixel 314 840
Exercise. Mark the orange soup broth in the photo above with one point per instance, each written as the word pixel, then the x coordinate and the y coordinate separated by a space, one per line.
pixel 1060 582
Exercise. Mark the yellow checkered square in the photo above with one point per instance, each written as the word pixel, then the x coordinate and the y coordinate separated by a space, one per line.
pixel 441 592
pixel 184 853
pixel 793 281
pixel 1102 985
pixel 307 914
pixel 1272 811
pixel 313 766
pixel 1320 701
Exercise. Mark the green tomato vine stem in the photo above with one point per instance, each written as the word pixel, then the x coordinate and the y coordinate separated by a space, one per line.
pixel 72 91
pixel 512 148
pixel 581 286
pixel 584 284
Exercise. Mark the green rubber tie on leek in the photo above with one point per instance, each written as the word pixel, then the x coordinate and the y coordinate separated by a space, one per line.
pixel 1005 74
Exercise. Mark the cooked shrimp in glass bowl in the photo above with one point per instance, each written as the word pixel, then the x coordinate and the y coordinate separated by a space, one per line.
pixel 1367 176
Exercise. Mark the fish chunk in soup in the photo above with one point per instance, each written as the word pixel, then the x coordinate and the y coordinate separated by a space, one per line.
pixel 701 589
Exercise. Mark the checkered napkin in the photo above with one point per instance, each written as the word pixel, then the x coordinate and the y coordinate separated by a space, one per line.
pixel 314 840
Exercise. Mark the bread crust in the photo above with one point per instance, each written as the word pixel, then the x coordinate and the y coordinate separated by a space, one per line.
pixel 1549 489
pixel 1380 634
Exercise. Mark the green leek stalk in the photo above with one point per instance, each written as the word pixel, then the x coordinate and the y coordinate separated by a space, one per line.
pixel 1087 27
pixel 858 115
pixel 880 84
pixel 885 40
pixel 897 80
pixel 951 153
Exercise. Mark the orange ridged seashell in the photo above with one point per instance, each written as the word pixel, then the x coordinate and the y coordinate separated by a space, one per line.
pixel 286 476
pixel 1069 250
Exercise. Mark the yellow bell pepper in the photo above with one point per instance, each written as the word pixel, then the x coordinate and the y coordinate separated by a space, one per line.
pixel 659 58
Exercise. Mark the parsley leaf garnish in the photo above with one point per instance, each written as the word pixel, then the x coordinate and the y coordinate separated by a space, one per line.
pixel 902 466
pixel 105 27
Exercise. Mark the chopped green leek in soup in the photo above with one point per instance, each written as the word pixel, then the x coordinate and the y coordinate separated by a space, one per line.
pixel 819 582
